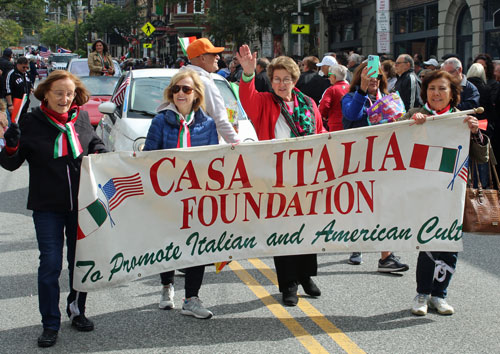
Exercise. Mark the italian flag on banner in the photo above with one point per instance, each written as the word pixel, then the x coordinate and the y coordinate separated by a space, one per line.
pixel 18 104
pixel 91 218
pixel 185 42
pixel 433 158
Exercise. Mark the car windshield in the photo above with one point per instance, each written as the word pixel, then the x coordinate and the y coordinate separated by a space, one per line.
pixel 234 110
pixel 61 58
pixel 100 85
pixel 81 68
pixel 146 93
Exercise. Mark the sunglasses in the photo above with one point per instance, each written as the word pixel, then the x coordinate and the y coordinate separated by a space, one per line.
pixel 186 89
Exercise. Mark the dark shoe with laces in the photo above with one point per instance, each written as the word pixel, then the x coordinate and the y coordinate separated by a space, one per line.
pixel 310 287
pixel 391 264
pixel 82 323
pixel 48 338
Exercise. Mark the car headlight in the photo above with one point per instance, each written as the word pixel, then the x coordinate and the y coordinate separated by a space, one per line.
pixel 139 144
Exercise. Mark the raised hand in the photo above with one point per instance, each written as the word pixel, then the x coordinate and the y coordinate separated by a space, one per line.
pixel 12 135
pixel 247 60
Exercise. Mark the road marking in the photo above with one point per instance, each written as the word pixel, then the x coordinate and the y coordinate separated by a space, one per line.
pixel 317 317
pixel 305 338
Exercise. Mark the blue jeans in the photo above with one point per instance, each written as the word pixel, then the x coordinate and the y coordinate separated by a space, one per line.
pixel 50 228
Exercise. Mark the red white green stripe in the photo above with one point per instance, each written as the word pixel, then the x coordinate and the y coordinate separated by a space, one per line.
pixel 185 42
pixel 184 139
pixel 67 133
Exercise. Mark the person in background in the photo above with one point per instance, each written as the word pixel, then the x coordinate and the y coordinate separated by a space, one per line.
pixel 6 66
pixel 18 84
pixel 441 94
pixel 477 76
pixel 262 83
pixel 353 61
pixel 204 56
pixel 100 61
pixel 390 73
pixel 343 59
pixel 4 123
pixel 283 113
pixel 235 75
pixel 423 73
pixel 33 73
pixel 54 176
pixel 223 69
pixel 407 84
pixel 431 64
pixel 418 63
pixel 469 96
pixel 364 91
pixel 325 64
pixel 310 82
pixel 330 106
pixel 181 112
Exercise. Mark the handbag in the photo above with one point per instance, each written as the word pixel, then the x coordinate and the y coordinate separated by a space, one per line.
pixel 482 206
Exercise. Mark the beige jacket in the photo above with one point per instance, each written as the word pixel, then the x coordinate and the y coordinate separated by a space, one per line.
pixel 96 65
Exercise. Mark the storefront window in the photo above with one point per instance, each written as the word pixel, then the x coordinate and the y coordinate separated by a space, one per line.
pixel 490 7
pixel 401 22
pixel 417 20
pixel 493 44
pixel 432 17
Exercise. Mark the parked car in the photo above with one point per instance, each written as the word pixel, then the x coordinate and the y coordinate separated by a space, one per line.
pixel 101 89
pixel 80 67
pixel 59 61
pixel 125 127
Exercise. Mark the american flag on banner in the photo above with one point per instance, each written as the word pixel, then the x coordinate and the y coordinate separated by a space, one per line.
pixel 464 170
pixel 118 189
pixel 120 93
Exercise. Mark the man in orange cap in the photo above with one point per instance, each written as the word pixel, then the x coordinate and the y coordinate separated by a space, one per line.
pixel 204 56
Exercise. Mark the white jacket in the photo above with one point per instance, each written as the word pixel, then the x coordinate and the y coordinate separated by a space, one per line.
pixel 215 106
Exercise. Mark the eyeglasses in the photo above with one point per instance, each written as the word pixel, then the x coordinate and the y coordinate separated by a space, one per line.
pixel 62 94
pixel 186 89
pixel 286 80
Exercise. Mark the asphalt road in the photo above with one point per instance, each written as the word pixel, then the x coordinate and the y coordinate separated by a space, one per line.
pixel 360 311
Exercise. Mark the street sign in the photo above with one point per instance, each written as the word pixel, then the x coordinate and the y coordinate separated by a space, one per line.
pixel 148 28
pixel 383 21
pixel 148 45
pixel 299 28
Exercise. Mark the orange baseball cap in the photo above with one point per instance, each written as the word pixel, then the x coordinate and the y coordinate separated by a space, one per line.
pixel 202 46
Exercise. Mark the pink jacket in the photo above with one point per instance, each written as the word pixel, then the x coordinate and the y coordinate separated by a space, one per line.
pixel 331 105
pixel 263 111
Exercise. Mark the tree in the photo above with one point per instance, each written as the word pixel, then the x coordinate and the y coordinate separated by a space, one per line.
pixel 10 33
pixel 62 34
pixel 237 21
pixel 107 19
pixel 29 14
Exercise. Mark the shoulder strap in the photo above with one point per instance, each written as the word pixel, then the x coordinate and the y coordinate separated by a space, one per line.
pixel 413 86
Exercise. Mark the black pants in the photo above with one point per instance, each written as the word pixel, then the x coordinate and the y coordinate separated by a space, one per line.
pixel 291 269
pixel 426 284
pixel 192 282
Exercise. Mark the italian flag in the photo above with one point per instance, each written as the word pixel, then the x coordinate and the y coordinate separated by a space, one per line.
pixel 91 218
pixel 185 42
pixel 18 104
pixel 433 158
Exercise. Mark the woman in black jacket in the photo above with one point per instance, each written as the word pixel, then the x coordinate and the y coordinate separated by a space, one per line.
pixel 53 138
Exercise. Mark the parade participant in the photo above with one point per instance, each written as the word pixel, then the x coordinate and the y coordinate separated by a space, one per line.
pixel 469 95
pixel 364 91
pixel 441 92
pixel 407 84
pixel 330 106
pixel 5 67
pixel 286 112
pixel 310 82
pixel 204 56
pixel 181 122
pixel 53 140
pixel 100 61
pixel 17 84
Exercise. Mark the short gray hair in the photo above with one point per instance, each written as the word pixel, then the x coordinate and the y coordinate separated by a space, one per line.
pixel 453 61
pixel 340 71
pixel 355 58
pixel 408 59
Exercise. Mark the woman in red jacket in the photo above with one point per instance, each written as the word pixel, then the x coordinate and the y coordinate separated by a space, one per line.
pixel 286 112
pixel 331 105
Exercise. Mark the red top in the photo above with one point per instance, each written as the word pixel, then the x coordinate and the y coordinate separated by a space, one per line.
pixel 331 105
pixel 263 111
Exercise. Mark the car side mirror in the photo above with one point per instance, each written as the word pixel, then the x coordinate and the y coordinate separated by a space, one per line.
pixel 108 108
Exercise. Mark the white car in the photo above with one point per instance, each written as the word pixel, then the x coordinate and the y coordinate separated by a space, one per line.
pixel 125 127
pixel 80 67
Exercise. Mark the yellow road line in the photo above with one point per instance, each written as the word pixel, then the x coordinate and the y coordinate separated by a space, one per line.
pixel 305 338
pixel 333 331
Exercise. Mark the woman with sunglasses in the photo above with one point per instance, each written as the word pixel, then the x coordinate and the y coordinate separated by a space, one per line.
pixel 363 93
pixel 283 113
pixel 182 123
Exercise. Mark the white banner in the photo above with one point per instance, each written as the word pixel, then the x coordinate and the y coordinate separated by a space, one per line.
pixel 392 187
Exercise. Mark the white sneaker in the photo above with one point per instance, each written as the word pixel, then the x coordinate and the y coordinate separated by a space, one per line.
pixel 167 297
pixel 420 305
pixel 441 306
pixel 194 307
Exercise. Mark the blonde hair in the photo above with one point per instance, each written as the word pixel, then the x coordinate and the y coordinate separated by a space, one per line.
pixel 285 63
pixel 477 70
pixel 198 88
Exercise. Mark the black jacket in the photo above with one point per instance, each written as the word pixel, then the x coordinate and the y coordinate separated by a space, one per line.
pixel 6 66
pixel 403 86
pixel 53 183
pixel 262 83
pixel 313 85
pixel 18 84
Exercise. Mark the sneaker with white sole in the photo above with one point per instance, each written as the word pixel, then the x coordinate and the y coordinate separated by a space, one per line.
pixel 391 264
pixel 356 258
pixel 194 307
pixel 420 304
pixel 167 297
pixel 441 306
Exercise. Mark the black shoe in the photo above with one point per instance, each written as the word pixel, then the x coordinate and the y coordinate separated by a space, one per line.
pixel 48 338
pixel 391 264
pixel 290 298
pixel 310 287
pixel 82 323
